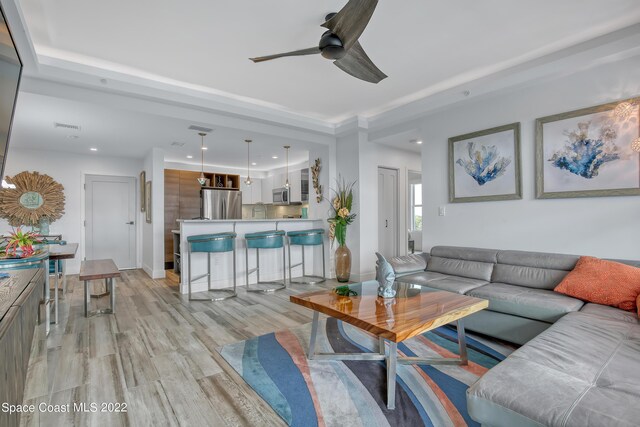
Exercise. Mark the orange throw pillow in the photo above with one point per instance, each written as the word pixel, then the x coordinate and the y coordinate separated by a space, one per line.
pixel 603 282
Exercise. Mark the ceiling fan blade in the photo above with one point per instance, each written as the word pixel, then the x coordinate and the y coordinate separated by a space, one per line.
pixel 310 51
pixel 350 22
pixel 357 63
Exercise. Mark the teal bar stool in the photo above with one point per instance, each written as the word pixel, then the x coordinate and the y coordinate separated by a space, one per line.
pixel 302 238
pixel 273 239
pixel 212 243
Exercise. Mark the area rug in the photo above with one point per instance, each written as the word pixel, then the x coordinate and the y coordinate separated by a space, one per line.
pixel 353 393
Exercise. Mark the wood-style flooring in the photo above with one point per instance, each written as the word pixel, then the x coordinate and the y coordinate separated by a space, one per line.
pixel 157 354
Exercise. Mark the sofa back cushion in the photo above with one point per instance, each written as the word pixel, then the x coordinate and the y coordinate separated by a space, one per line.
pixel 459 261
pixel 532 269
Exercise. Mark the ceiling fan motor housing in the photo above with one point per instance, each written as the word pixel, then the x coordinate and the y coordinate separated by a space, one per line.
pixel 331 46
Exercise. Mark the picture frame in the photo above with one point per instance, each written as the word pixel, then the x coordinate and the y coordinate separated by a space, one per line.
pixel 587 152
pixel 485 165
pixel 142 181
pixel 147 202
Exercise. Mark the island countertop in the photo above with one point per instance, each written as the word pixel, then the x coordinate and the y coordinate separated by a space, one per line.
pixel 201 221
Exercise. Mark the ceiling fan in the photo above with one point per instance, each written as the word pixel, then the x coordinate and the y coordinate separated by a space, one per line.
pixel 340 42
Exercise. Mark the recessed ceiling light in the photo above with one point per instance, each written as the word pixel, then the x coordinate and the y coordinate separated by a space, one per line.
pixel 419 142
pixel 204 148
pixel 274 157
pixel 253 163
pixel 189 157
pixel 93 149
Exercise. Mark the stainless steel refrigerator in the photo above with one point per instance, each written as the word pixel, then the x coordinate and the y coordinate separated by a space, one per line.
pixel 220 204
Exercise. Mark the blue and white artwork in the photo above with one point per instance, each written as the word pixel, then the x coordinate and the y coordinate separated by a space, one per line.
pixel 483 165
pixel 590 152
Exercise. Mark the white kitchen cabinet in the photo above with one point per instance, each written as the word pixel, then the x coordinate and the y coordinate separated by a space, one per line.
pixel 295 179
pixel 267 189
pixel 246 192
pixel 251 194
pixel 256 191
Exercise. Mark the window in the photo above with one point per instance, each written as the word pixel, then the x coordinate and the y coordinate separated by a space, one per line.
pixel 416 206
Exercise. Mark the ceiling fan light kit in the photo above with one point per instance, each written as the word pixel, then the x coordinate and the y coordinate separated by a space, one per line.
pixel 340 42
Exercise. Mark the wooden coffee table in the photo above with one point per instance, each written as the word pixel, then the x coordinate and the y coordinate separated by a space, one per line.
pixel 414 311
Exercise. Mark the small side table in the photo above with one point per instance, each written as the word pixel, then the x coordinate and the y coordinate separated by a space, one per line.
pixel 94 270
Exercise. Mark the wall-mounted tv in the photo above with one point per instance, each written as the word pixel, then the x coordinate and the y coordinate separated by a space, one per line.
pixel 10 72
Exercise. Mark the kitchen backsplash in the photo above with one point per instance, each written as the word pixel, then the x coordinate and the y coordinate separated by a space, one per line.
pixel 272 211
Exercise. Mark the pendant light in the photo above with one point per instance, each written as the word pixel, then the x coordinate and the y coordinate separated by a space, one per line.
pixel 248 180
pixel 202 180
pixel 286 183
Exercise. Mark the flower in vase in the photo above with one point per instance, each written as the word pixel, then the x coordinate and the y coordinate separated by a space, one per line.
pixel 343 212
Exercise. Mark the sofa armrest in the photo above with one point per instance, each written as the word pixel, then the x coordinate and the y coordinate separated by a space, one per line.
pixel 412 263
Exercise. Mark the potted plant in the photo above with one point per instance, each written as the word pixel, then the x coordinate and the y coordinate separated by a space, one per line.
pixel 20 243
pixel 341 206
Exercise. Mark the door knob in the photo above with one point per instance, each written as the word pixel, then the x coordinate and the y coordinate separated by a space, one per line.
pixel 129 223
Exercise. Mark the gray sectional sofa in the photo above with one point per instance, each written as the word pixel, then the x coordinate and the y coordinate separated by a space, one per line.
pixel 579 364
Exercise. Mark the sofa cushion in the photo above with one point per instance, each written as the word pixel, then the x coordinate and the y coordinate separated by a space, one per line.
pixel 538 259
pixel 603 282
pixel 610 313
pixel 467 254
pixel 460 267
pixel 538 304
pixel 531 277
pixel 423 277
pixel 459 285
pixel 584 371
pixel 409 263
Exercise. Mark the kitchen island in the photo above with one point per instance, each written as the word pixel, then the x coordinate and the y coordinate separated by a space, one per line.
pixel 221 263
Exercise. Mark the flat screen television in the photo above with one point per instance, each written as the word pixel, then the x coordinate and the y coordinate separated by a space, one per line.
pixel 10 73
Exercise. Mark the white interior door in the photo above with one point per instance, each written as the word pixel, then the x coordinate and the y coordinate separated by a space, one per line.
pixel 388 212
pixel 110 212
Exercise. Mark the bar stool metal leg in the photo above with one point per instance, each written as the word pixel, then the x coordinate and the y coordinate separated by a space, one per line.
pixel 270 286
pixel 306 279
pixel 223 293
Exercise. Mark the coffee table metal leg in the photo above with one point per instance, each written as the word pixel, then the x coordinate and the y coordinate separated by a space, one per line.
pixel 381 347
pixel 314 333
pixel 462 342
pixel 391 375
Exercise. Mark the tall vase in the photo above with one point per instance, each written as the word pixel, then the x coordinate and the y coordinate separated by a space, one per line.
pixel 343 263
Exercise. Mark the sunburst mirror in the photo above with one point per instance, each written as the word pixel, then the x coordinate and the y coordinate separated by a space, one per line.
pixel 35 196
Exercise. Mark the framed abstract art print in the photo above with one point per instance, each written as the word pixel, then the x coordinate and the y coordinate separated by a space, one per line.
pixel 587 152
pixel 485 165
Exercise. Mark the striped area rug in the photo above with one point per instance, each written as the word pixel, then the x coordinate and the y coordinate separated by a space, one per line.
pixel 353 393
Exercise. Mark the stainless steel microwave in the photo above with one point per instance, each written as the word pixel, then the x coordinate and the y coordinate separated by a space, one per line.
pixel 281 196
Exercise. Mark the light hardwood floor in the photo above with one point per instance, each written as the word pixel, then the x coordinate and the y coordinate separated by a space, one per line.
pixel 157 354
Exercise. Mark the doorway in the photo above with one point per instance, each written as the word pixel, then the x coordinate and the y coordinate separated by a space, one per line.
pixel 388 211
pixel 110 212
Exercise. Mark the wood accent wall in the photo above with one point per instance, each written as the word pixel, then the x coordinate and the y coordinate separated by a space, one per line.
pixel 182 201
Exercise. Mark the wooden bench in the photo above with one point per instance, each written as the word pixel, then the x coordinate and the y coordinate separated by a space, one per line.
pixel 94 270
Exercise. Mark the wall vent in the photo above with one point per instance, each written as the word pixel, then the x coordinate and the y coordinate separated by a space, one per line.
pixel 66 126
pixel 177 144
pixel 200 129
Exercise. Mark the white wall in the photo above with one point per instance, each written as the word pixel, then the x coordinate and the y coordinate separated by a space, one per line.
pixel 358 159
pixel 69 170
pixel 153 233
pixel 606 227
